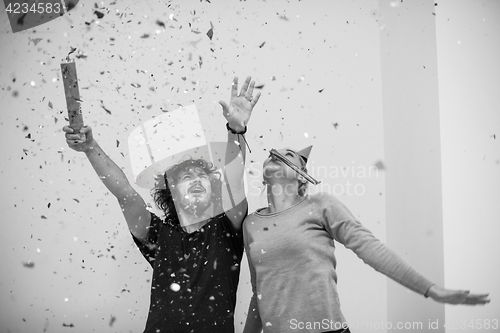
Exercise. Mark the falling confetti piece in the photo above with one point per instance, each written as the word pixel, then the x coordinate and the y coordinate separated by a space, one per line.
pixel 68 325
pixel 380 165
pixel 105 109
pixel 29 264
pixel 262 45
pixel 98 14
pixel 335 125
pixel 306 135
pixel 283 17
pixel 76 200
pixel 72 50
pixel 175 287
pixel 210 32
pixel 34 40
pixel 50 105
pixel 112 320
pixel 81 56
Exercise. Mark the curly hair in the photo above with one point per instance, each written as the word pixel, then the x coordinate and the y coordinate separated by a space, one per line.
pixel 162 194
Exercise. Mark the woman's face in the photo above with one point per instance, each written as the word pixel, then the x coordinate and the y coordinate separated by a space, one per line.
pixel 276 170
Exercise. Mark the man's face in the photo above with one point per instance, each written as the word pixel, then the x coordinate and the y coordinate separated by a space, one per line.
pixel 193 190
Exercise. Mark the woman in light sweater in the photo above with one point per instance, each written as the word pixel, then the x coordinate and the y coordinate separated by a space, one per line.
pixel 290 250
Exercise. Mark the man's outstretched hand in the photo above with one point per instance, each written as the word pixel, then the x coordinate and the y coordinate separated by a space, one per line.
pixel 240 106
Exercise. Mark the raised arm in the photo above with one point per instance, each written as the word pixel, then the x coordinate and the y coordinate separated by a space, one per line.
pixel 133 206
pixel 237 114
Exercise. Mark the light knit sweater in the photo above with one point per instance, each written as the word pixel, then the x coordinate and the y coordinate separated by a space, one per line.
pixel 292 262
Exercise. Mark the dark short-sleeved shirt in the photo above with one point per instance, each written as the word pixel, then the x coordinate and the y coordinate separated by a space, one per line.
pixel 195 276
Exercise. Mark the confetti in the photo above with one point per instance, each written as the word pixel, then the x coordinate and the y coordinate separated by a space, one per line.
pixel 29 264
pixel 34 40
pixel 98 14
pixel 210 32
pixel 380 165
pixel 105 109
pixel 72 50
pixel 175 287
pixel 112 320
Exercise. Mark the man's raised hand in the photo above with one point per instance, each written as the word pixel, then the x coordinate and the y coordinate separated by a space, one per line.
pixel 240 106
pixel 77 141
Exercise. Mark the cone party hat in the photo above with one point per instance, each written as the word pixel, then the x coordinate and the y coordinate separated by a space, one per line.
pixel 304 153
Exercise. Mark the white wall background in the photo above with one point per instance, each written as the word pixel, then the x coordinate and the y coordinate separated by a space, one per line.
pixel 468 35
pixel 320 66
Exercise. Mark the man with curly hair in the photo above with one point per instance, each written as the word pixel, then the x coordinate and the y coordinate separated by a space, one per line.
pixel 195 250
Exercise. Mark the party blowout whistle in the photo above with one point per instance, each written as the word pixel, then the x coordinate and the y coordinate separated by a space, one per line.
pixel 283 159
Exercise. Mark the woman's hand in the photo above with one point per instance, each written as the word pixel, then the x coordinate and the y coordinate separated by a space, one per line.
pixel 240 106
pixel 83 141
pixel 442 295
